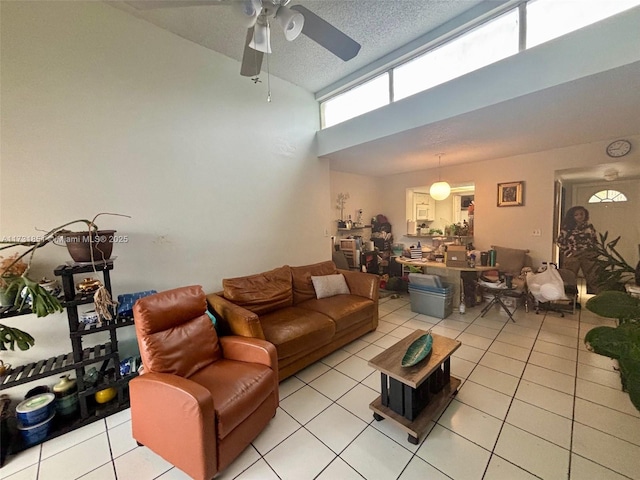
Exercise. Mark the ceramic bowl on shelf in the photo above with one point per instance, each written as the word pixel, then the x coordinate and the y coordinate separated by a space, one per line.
pixel 33 434
pixel 36 409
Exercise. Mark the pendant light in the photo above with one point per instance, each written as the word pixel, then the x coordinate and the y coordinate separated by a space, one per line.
pixel 439 190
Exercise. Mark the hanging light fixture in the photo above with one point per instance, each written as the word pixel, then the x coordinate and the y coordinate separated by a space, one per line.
pixel 439 190
pixel 261 40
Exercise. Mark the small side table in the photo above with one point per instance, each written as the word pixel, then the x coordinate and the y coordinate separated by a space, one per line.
pixel 412 395
pixel 498 294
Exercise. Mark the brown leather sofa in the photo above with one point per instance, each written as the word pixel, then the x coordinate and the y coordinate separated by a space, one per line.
pixel 281 306
pixel 201 399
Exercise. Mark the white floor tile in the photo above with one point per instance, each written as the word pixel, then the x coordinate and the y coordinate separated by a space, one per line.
pixel 121 440
pixel 385 327
pixel 118 418
pixel 258 471
pixel 446 450
pixel 609 378
pixel 491 378
pixel 277 430
pixel 557 364
pixel 582 468
pixel 386 341
pixel 546 377
pixel 105 472
pixel 461 368
pixel 28 473
pixel 483 398
pixel 355 367
pixel 511 351
pixel 339 470
pixel 474 340
pixel 500 469
pixel 76 460
pixel 418 469
pixel 519 329
pixel 375 456
pixel 552 337
pixel 568 353
pixel 357 402
pixel 606 450
pixel 469 353
pixel 401 332
pixel 305 404
pixel 532 453
pixel 595 360
pixel 312 372
pixel 291 460
pixel 289 386
pixel 358 345
pixel 336 357
pixel 607 396
pixel 21 460
pixel 517 340
pixel 503 364
pixel 373 381
pixel 245 460
pixel 333 384
pixel 336 427
pixel 617 424
pixel 484 332
pixel 554 428
pixel 551 400
pixel 367 353
pixel 471 423
pixel 75 437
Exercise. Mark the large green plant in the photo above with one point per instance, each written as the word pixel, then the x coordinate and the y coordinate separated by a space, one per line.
pixel 611 268
pixel 621 342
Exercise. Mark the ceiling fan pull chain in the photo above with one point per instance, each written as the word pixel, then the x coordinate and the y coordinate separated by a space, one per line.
pixel 268 72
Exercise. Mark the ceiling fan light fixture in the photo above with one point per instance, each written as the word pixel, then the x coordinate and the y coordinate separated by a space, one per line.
pixel 250 10
pixel 291 22
pixel 261 39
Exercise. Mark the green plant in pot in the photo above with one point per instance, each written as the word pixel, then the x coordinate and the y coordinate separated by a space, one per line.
pixel 29 293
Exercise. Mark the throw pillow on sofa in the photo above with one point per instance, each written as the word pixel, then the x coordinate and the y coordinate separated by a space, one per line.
pixel 330 285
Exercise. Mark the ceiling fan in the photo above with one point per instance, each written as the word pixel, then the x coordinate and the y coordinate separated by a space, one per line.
pixel 259 16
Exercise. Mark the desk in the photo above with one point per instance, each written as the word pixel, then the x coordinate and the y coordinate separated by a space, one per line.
pixel 411 396
pixel 450 274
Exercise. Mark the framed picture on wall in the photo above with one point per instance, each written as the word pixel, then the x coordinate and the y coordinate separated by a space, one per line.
pixel 510 194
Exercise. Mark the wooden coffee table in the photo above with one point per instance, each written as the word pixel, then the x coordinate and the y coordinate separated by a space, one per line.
pixel 412 395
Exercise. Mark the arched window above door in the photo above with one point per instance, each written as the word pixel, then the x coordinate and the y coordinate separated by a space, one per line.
pixel 608 196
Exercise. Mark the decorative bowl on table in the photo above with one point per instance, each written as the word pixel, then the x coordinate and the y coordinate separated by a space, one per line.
pixel 418 350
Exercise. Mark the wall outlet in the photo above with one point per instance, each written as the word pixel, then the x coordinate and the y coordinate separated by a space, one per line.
pixel 326 232
pixel 536 232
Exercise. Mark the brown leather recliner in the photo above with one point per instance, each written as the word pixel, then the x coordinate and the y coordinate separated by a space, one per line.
pixel 201 399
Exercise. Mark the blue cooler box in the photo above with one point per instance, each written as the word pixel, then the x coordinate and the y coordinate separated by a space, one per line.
pixel 433 301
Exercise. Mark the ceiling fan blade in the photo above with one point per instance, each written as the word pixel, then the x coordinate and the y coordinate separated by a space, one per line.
pixel 251 59
pixel 326 35
pixel 153 4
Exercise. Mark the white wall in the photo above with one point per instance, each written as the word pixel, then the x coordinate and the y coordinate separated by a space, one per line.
pixel 508 226
pixel 103 112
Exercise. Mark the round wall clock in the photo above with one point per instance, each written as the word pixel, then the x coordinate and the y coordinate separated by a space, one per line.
pixel 619 148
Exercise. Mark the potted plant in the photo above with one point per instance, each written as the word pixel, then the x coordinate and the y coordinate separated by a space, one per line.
pixel 14 274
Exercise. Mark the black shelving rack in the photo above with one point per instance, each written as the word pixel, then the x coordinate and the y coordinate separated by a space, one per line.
pixel 78 359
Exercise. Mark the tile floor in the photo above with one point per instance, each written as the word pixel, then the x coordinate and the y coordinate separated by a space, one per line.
pixel 533 403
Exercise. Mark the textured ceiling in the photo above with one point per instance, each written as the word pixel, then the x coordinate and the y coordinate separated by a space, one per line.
pixel 556 118
pixel 380 26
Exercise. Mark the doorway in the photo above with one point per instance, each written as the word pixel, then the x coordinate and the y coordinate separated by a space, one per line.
pixel 619 219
